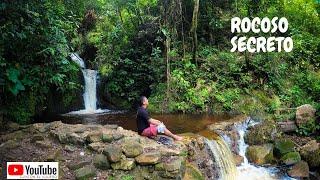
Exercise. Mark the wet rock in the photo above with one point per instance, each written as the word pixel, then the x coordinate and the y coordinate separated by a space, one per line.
pixel 260 154
pixel 291 158
pixel 192 173
pixel 113 153
pixel 304 114
pixel 266 132
pixel 283 147
pixel 100 161
pixel 107 138
pixel 299 170
pixel 238 159
pixel 148 158
pixel 124 164
pixel 132 149
pixel 97 146
pixel 85 172
pixel 164 151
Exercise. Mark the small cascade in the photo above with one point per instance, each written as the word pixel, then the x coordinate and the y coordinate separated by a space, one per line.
pixel 247 171
pixel 90 88
pixel 223 158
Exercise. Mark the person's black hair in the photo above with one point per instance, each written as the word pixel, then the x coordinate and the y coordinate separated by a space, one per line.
pixel 142 98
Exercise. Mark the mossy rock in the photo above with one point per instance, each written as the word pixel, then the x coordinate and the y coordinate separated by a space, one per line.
pixel 266 132
pixel 100 161
pixel 291 158
pixel 85 172
pixel 192 173
pixel 283 147
pixel 260 154
pixel 312 158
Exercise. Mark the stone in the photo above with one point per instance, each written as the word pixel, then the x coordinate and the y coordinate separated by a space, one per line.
pixel 238 159
pixel 107 138
pixel 164 151
pixel 132 149
pixel 287 126
pixel 55 155
pixel 97 146
pixel 304 114
pixel 159 167
pixel 113 153
pixel 12 126
pixel 260 154
pixel 148 158
pixel 310 146
pixel 78 164
pixel 43 144
pixel 69 148
pixel 74 138
pixel 100 161
pixel 283 147
pixel 299 170
pixel 85 172
pixel 10 144
pixel 266 132
pixel 117 136
pixel 111 126
pixel 173 164
pixel 312 158
pixel 93 137
pixel 124 164
pixel 192 173
pixel 36 138
pixel 291 158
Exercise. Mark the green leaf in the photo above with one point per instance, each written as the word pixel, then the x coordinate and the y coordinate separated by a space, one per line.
pixel 13 75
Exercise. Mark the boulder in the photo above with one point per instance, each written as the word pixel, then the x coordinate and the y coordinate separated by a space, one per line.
pixel 287 126
pixel 260 154
pixel 113 153
pixel 124 164
pixel 312 158
pixel 100 161
pixel 36 138
pixel 93 137
pixel 107 138
pixel 265 132
pixel 74 138
pixel 117 136
pixel 238 159
pixel 148 158
pixel 132 149
pixel 97 146
pixel 291 158
pixel 85 172
pixel 192 173
pixel 172 164
pixel 78 164
pixel 283 147
pixel 299 170
pixel 304 114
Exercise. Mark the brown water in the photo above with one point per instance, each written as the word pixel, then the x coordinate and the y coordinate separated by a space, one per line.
pixel 177 123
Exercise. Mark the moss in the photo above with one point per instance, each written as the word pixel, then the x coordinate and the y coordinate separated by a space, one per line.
pixel 313 158
pixel 283 147
pixel 192 173
pixel 291 158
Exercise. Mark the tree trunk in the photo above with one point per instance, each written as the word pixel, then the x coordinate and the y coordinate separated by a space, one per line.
pixel 194 29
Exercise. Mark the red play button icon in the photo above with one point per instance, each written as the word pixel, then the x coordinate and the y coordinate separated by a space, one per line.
pixel 15 169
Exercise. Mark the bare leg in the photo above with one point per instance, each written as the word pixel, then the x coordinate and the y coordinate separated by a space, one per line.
pixel 168 133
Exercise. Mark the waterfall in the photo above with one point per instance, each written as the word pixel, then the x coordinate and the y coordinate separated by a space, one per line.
pixel 90 88
pixel 223 158
pixel 247 171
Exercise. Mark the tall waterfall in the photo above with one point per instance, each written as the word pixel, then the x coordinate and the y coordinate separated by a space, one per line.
pixel 90 88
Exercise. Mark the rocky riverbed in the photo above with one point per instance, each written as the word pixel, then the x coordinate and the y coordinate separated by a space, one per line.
pixel 106 152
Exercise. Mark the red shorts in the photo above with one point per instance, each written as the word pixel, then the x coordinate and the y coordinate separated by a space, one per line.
pixel 150 131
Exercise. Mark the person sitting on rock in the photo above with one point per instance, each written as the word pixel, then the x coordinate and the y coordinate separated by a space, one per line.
pixel 148 126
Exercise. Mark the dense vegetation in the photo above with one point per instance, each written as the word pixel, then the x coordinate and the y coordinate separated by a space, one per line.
pixel 175 52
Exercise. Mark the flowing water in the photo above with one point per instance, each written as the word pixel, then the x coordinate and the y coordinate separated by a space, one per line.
pixel 90 88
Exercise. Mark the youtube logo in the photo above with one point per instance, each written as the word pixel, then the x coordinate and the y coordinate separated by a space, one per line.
pixel 15 169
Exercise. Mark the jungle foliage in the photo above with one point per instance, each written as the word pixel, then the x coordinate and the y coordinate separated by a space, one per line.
pixel 173 51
